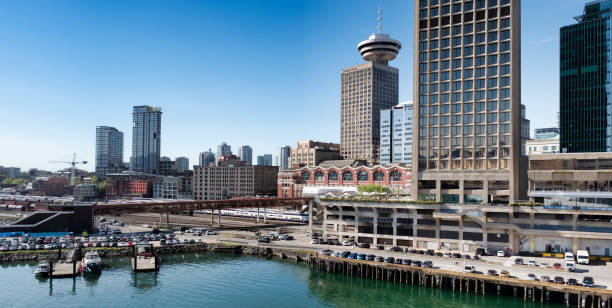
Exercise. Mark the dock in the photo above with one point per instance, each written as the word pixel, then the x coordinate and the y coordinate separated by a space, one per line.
pixel 577 296
pixel 144 264
pixel 68 266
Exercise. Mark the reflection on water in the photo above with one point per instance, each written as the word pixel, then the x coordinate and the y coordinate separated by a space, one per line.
pixel 144 280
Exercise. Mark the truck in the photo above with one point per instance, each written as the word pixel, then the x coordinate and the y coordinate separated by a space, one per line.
pixel 582 256
pixel 569 256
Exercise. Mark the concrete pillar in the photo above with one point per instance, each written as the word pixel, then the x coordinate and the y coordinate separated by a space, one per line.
pixel 485 237
pixel 575 222
pixel 212 217
pixel 532 243
pixel 575 244
pixel 485 191
pixel 394 225
pixel 437 233
pixel 531 219
pixel 439 190
pixel 309 216
pixel 460 233
pixel 414 228
pixel 461 192
pixel 375 231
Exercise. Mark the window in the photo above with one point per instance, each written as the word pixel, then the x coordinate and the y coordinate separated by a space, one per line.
pixel 468 51
pixel 379 176
pixel 362 176
pixel 467 107
pixel 305 176
pixel 347 176
pixel 468 85
pixel 395 176
pixel 492 36
pixel 332 176
pixel 319 176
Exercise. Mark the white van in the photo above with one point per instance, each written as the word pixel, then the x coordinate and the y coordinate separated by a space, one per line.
pixel 569 257
pixel 582 256
pixel 570 266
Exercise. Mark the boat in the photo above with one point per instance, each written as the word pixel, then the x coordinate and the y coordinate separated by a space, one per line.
pixel 91 263
pixel 44 269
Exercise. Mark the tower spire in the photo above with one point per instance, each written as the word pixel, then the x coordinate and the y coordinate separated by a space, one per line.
pixel 379 20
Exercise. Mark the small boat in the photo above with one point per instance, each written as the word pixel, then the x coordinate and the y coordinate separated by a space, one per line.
pixel 44 269
pixel 91 263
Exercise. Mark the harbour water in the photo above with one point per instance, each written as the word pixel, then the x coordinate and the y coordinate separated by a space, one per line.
pixel 225 280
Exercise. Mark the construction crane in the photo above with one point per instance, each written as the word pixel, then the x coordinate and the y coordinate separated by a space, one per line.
pixel 73 163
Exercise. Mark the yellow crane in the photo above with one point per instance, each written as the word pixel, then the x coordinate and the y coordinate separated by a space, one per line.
pixel 73 163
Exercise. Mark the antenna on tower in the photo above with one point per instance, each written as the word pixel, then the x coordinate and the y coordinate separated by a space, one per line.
pixel 379 20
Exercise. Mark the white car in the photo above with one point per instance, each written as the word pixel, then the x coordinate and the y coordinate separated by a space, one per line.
pixel 315 241
pixel 531 263
pixel 348 243
pixel 469 269
pixel 501 253
pixel 122 244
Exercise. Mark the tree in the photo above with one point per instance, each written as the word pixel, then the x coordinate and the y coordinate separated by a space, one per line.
pixel 372 188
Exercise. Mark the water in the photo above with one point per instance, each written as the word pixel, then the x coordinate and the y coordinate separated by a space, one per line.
pixel 225 280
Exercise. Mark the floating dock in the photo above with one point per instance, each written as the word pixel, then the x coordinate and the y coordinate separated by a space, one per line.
pixel 144 264
pixel 577 296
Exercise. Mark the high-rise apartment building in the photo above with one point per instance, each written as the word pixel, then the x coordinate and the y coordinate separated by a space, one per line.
pixel 467 137
pixel 245 153
pixel 366 89
pixel 284 154
pixel 109 151
pixel 585 98
pixel 223 149
pixel 264 160
pixel 182 164
pixel 206 158
pixel 396 134
pixel 146 138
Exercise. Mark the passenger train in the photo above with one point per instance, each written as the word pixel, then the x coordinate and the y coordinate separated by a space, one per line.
pixel 267 213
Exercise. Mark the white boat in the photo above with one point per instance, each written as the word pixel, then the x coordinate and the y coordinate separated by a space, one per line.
pixel 44 269
pixel 91 263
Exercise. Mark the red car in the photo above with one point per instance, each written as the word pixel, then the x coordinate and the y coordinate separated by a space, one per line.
pixel 557 265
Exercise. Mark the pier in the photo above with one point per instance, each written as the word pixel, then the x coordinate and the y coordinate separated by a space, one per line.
pixel 576 296
pixel 68 266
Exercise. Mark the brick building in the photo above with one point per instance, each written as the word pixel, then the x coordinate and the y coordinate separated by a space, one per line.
pixel 55 186
pixel 343 176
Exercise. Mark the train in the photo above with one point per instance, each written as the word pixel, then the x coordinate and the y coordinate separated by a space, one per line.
pixel 267 213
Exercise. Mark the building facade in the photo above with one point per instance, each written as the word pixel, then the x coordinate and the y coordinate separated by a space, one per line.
pixel 182 164
pixel 284 154
pixel 585 98
pixel 13 172
pixel 109 151
pixel 341 179
pixel 85 191
pixel 130 184
pixel 206 158
pixel 223 149
pixel 166 188
pixel 264 160
pixel 233 178
pixel 245 153
pixel 146 138
pixel 469 123
pixel 396 134
pixel 546 133
pixel 310 153
pixel 167 167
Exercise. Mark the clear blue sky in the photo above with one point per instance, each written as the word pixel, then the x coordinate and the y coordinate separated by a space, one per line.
pixel 263 73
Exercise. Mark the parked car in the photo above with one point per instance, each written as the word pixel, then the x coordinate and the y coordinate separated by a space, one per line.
pixel 352 255
pixel 416 263
pixel 380 247
pixel 345 254
pixel 559 280
pixel 588 282
pixel 390 260
pixel 430 252
pixel 265 239
pixel 314 240
pixel 326 252
pixel 469 269
pixel 572 282
pixel 557 265
pixel 370 257
pixel 361 256
pixel 544 278
pixel 364 245
pixel 406 262
pixel 395 248
pixel 518 261
pixel 501 253
pixel 544 264
pixel 348 243
pixel 492 273
pixel 379 259
pixel 481 251
pixel 531 263
pixel 531 277
pixel 504 274
pixel 398 261
pixel 427 264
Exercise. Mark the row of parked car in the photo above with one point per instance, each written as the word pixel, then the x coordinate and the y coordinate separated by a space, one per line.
pixel 274 236
pixel 374 258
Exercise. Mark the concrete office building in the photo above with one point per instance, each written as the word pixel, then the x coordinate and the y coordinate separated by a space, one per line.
pixel 585 98
pixel 233 178
pixel 182 164
pixel 109 151
pixel 284 154
pixel 206 158
pixel 166 188
pixel 13 172
pixel 167 167
pixel 469 123
pixel 146 138
pixel 245 153
pixel 546 141
pixel 223 149
pixel 366 89
pixel 396 134
pixel 310 153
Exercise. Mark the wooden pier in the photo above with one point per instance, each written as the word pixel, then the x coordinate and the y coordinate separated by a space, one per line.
pixel 68 266
pixel 577 296
pixel 144 264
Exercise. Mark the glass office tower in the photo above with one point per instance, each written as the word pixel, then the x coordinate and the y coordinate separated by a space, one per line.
pixel 109 151
pixel 586 112
pixel 467 104
pixel 396 134
pixel 146 136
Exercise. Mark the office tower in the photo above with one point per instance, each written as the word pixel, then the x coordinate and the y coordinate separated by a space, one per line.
pixel 310 153
pixel 109 151
pixel 267 160
pixel 585 101
pixel 396 134
pixel 165 158
pixel 468 132
pixel 182 164
pixel 146 137
pixel 284 153
pixel 366 89
pixel 245 153
pixel 206 158
pixel 260 160
pixel 13 172
pixel 223 149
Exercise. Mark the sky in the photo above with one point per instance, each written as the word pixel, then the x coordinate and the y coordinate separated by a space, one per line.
pixel 262 73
